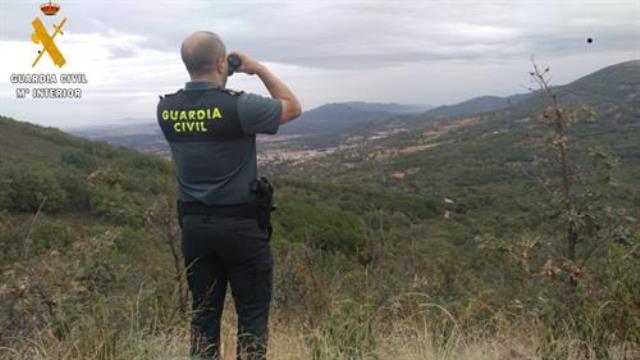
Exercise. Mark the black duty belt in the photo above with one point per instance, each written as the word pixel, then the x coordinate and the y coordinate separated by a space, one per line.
pixel 249 210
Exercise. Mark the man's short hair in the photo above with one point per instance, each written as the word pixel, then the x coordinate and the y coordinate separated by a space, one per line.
pixel 201 51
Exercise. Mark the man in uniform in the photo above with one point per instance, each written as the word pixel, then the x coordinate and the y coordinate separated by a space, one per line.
pixel 212 134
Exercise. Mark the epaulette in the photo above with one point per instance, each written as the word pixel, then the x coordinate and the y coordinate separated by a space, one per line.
pixel 170 94
pixel 232 92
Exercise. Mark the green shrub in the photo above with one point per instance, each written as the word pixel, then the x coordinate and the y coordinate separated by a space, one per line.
pixel 117 206
pixel 327 228
pixel 78 159
pixel 29 186
pixel 51 234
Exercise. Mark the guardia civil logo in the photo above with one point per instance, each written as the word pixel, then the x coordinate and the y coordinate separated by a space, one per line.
pixel 41 35
pixel 41 85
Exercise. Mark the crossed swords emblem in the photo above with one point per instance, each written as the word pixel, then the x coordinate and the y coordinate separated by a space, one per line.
pixel 41 35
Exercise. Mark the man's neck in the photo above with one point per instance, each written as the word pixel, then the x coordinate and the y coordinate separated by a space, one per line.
pixel 208 78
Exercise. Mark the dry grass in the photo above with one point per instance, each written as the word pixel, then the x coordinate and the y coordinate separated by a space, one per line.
pixel 287 342
pixel 121 332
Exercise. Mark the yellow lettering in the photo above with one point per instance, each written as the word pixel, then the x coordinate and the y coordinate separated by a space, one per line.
pixel 184 117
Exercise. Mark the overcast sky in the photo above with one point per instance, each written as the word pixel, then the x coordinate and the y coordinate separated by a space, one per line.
pixel 419 52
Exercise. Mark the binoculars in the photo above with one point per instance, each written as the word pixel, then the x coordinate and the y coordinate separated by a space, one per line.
pixel 234 63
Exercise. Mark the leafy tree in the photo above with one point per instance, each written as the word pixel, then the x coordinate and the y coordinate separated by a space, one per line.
pixel 578 189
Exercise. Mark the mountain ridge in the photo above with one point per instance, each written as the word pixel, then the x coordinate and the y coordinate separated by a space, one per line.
pixel 477 104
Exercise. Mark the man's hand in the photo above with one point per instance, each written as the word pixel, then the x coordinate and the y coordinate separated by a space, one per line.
pixel 248 65
pixel 291 107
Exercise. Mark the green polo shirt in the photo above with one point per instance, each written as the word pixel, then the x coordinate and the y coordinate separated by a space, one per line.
pixel 258 114
pixel 219 172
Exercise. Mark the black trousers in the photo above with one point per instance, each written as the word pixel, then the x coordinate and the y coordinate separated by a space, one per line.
pixel 219 250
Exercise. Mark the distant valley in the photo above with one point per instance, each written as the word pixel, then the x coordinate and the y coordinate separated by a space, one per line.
pixel 320 131
pixel 349 130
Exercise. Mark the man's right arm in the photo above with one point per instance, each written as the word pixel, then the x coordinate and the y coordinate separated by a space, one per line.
pixel 291 108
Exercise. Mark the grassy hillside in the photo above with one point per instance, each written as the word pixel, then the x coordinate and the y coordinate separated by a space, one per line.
pixel 87 230
pixel 489 171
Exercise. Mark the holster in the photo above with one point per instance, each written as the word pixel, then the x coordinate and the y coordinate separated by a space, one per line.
pixel 264 197
pixel 260 210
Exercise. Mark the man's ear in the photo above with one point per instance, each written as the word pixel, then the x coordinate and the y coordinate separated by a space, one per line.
pixel 221 65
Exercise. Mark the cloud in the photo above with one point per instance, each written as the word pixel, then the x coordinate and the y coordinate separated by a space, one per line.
pixel 422 52
pixel 122 52
pixel 360 34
